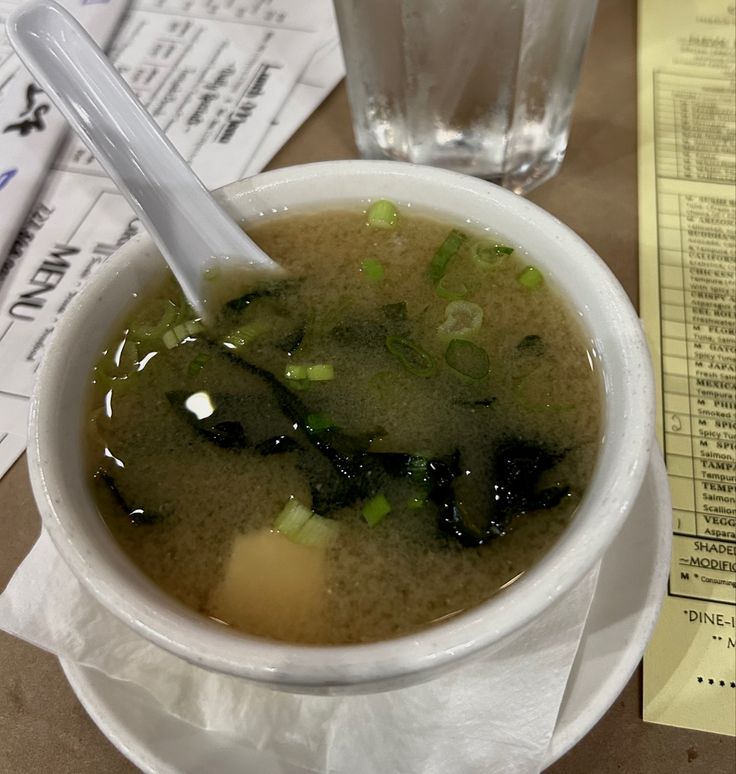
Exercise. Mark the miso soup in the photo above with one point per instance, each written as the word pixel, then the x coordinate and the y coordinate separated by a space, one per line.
pixel 382 440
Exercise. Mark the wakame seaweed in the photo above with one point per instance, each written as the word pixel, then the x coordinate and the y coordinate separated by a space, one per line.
pixel 514 472
pixel 278 444
pixel 353 472
pixel 293 340
pixel 138 516
pixel 531 345
pixel 223 431
pixel 266 290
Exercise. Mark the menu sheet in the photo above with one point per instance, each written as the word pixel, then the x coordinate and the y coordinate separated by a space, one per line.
pixel 31 128
pixel 687 217
pixel 229 81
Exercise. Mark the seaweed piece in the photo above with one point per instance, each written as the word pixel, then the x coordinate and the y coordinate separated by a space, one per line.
pixel 350 472
pixel 292 341
pixel 531 345
pixel 514 472
pixel 482 403
pixel 137 516
pixel 223 432
pixel 269 289
pixel 278 444
pixel 228 434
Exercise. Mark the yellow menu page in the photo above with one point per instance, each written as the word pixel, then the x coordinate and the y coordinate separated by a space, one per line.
pixel 687 240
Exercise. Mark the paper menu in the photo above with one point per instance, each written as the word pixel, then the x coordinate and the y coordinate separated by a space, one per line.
pixel 216 75
pixel 31 129
pixel 687 221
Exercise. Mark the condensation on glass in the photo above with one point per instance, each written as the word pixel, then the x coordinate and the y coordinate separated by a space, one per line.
pixel 484 87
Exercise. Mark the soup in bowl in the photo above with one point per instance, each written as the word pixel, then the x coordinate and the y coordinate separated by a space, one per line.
pixel 363 473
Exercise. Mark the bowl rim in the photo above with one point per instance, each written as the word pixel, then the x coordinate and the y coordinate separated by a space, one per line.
pixel 193 637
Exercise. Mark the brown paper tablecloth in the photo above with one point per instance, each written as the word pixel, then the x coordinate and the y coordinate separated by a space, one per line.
pixel 43 728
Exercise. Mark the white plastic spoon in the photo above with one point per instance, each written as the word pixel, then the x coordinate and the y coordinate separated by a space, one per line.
pixel 190 229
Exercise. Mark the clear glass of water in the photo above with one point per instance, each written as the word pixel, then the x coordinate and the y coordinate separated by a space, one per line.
pixel 484 87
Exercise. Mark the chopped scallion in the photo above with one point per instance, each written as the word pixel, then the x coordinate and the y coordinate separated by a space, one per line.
pixel 467 359
pixel 301 525
pixel 462 319
pixel 415 503
pixel 373 269
pixel 451 291
pixel 292 518
pixel 180 331
pixel 416 360
pixel 382 214
pixel 296 372
pixel 141 332
pixel 170 339
pixel 531 278
pixel 318 532
pixel 245 335
pixel 445 252
pixel 174 336
pixel 376 509
pixel 321 372
pixel 490 254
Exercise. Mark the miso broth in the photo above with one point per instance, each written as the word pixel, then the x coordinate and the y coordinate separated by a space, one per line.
pixel 417 385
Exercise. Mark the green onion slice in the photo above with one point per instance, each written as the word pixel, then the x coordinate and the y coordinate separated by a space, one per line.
pixel 531 278
pixel 416 360
pixel 246 334
pixel 321 372
pixel 451 291
pixel 170 339
pixel 376 509
pixel 141 332
pixel 416 502
pixel 490 254
pixel 318 532
pixel 176 335
pixel 467 359
pixel 292 518
pixel 301 525
pixel 373 269
pixel 462 320
pixel 382 214
pixel 445 252
pixel 296 372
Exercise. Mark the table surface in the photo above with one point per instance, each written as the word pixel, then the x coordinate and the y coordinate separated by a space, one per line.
pixel 42 725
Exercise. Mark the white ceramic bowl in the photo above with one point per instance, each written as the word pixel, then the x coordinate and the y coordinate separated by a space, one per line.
pixel 58 473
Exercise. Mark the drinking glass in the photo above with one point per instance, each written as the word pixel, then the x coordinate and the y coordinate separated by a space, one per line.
pixel 484 87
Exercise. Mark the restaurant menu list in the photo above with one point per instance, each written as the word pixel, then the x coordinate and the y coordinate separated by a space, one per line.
pixel 228 80
pixel 687 215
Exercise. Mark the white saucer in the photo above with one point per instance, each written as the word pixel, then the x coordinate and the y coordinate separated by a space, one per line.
pixel 623 613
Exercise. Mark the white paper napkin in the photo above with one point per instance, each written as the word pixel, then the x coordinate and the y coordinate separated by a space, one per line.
pixel 493 714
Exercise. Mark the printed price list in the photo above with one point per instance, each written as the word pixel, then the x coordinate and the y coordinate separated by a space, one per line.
pixel 697 274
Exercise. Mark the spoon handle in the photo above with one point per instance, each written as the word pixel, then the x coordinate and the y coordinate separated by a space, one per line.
pixel 187 225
